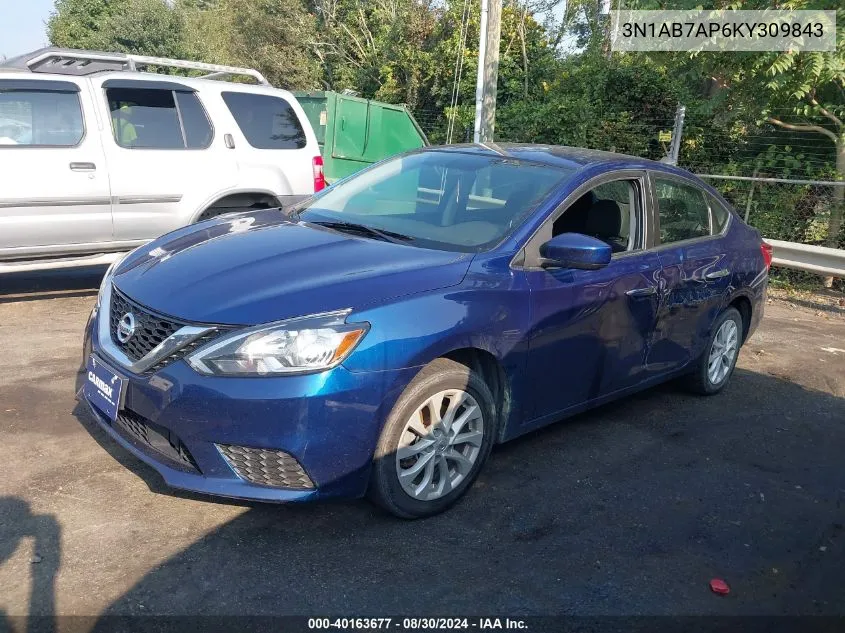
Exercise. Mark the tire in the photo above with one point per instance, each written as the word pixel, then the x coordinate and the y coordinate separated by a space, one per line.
pixel 728 330
pixel 463 398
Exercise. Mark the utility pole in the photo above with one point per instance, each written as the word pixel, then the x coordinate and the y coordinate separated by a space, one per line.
pixel 488 70
pixel 677 132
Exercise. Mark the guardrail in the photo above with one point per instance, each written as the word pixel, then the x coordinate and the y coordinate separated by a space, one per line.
pixel 813 259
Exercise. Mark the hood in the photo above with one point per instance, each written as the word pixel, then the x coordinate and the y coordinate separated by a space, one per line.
pixel 261 267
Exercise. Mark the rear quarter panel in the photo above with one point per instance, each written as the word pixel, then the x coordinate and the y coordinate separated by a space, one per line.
pixel 284 172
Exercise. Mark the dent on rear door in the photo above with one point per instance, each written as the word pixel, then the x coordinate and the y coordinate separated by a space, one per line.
pixel 696 278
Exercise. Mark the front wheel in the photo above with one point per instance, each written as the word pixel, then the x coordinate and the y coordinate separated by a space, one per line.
pixel 717 364
pixel 435 441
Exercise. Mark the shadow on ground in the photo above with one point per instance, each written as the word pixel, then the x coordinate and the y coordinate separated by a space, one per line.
pixel 629 509
pixel 18 522
pixel 50 284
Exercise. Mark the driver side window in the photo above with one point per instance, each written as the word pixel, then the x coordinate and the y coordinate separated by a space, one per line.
pixel 607 212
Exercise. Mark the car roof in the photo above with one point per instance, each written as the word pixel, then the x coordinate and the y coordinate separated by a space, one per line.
pixel 574 158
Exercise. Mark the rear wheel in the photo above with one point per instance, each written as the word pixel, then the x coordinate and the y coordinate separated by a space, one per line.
pixel 435 441
pixel 717 364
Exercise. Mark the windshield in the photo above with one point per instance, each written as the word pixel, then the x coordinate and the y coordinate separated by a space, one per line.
pixel 445 200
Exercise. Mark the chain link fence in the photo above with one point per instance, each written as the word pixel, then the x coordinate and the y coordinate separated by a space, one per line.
pixel 793 210
pixel 783 183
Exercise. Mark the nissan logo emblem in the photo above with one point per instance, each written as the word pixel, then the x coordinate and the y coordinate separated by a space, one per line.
pixel 126 327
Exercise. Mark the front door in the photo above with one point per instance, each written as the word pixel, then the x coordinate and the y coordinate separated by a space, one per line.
pixel 55 191
pixel 591 329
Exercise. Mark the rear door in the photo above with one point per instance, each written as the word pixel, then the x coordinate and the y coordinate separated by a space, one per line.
pixel 697 269
pixel 55 187
pixel 166 160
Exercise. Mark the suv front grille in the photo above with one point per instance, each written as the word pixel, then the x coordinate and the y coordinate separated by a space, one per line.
pixel 266 467
pixel 150 328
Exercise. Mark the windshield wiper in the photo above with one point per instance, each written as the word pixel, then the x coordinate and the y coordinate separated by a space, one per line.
pixel 361 229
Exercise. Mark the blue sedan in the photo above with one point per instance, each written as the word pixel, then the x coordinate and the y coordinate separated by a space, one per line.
pixel 382 336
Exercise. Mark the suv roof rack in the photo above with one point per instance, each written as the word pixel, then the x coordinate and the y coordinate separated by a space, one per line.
pixel 68 61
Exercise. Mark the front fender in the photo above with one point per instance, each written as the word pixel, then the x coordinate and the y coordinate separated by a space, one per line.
pixel 481 313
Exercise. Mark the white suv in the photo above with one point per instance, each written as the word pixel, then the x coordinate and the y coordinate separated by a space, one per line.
pixel 97 158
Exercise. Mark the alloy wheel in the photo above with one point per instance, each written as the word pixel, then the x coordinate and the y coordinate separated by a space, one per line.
pixel 439 445
pixel 723 352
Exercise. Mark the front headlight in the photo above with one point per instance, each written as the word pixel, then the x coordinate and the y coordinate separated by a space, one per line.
pixel 302 345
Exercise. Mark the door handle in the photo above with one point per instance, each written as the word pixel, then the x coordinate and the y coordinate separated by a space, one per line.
pixel 642 292
pixel 717 274
pixel 83 167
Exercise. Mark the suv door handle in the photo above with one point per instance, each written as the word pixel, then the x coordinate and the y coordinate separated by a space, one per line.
pixel 83 167
pixel 642 292
pixel 717 274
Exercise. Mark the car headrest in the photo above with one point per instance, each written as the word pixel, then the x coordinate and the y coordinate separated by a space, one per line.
pixel 604 219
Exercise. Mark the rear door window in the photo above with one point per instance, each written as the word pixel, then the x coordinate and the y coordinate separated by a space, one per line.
pixel 40 118
pixel 152 118
pixel 198 132
pixel 719 213
pixel 683 210
pixel 266 121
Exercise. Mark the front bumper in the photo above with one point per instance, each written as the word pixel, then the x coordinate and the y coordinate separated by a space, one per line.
pixel 328 422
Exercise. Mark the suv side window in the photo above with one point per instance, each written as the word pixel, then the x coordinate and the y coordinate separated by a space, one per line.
pixel 40 118
pixel 267 122
pixel 683 211
pixel 198 132
pixel 152 118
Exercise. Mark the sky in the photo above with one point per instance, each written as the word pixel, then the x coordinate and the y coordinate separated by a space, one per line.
pixel 22 25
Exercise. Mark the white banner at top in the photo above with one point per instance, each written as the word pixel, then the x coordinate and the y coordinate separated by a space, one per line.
pixel 723 30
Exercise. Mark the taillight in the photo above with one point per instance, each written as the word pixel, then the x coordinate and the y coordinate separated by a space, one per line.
pixel 319 177
pixel 766 249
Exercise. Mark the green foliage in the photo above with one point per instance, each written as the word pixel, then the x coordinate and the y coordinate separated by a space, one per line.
pixel 80 23
pixel 148 27
pixel 274 36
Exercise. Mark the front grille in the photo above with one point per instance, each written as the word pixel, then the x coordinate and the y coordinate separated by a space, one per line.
pixel 152 438
pixel 266 467
pixel 150 328
pixel 187 349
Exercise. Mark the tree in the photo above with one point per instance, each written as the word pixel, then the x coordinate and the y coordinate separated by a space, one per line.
pixel 812 86
pixel 379 48
pixel 274 36
pixel 147 27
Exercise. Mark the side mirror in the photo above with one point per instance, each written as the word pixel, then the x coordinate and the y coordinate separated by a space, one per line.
pixel 573 250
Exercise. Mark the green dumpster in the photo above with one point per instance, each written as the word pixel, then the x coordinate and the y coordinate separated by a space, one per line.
pixel 354 132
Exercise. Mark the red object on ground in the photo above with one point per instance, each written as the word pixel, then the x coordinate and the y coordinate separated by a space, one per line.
pixel 720 586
